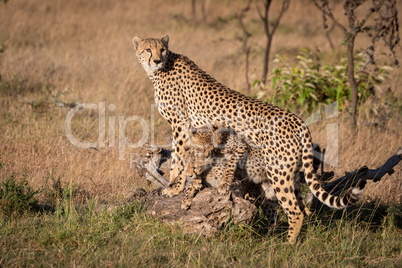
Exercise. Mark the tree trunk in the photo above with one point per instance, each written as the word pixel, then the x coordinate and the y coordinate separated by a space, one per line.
pixel 270 34
pixel 266 59
pixel 193 11
pixel 246 48
pixel 265 19
pixel 203 11
pixel 352 81
pixel 247 69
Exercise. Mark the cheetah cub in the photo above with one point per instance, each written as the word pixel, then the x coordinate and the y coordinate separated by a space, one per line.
pixel 230 156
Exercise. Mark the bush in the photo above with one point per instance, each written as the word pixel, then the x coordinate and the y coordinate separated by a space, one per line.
pixel 16 198
pixel 309 85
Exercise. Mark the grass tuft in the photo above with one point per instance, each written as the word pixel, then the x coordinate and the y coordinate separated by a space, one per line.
pixel 16 197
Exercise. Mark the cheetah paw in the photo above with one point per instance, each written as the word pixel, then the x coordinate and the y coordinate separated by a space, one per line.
pixel 307 212
pixel 168 192
pixel 224 188
pixel 185 205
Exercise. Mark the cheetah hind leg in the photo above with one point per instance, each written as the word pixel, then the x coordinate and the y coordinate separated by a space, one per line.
pixel 294 214
pixel 268 208
pixel 269 203
pixel 300 200
pixel 288 201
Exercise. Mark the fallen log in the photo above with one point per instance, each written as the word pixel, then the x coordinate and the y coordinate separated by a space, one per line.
pixel 155 157
pixel 361 175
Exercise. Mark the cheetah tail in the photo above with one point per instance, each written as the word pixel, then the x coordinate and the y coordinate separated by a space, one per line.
pixel 351 197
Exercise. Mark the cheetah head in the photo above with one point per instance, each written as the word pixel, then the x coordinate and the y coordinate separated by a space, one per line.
pixel 152 53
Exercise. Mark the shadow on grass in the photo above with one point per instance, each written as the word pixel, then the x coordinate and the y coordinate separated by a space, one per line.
pixel 370 215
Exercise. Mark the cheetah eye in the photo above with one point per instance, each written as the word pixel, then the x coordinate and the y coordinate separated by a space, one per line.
pixel 162 50
pixel 148 50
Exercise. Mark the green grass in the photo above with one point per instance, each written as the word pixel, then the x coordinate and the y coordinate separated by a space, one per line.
pixel 89 234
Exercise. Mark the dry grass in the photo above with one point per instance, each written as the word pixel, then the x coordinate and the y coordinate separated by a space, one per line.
pixel 81 52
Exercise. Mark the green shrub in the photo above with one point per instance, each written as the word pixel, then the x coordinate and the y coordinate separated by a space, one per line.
pixel 308 85
pixel 16 198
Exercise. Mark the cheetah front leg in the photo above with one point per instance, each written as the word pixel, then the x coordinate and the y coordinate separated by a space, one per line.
pixel 202 154
pixel 192 190
pixel 178 172
pixel 230 169
pixel 195 186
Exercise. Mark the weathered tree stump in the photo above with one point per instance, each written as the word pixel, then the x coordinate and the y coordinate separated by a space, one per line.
pixel 208 213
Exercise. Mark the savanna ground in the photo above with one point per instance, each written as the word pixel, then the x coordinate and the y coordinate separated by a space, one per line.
pixel 56 54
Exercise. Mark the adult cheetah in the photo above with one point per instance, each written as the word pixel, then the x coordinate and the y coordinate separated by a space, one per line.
pixel 187 96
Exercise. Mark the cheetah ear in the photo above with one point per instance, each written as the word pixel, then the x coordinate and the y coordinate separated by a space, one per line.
pixel 165 39
pixel 136 41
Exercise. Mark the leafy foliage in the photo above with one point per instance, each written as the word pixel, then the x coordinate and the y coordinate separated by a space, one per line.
pixel 308 85
pixel 16 197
